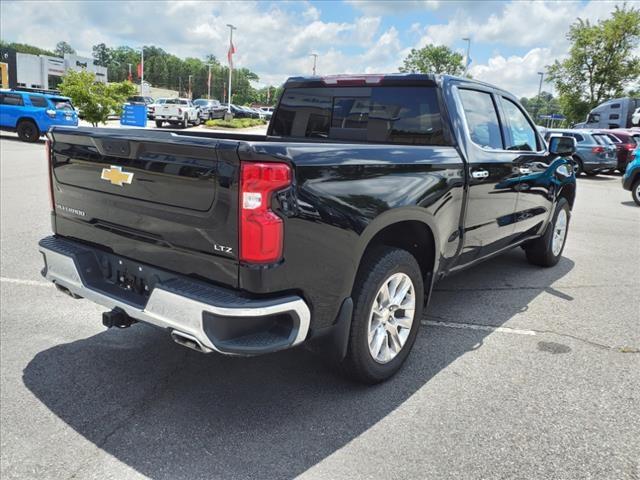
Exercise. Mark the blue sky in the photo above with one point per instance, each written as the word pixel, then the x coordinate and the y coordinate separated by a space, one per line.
pixel 511 40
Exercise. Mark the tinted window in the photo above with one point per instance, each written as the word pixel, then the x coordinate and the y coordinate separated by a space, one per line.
pixel 522 135
pixel 407 115
pixel 12 99
pixel 38 101
pixel 615 105
pixel 482 119
pixel 613 138
pixel 602 140
pixel 578 137
pixel 614 116
pixel 62 103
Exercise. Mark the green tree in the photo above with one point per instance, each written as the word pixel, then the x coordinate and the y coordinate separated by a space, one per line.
pixel 96 100
pixel 62 48
pixel 433 59
pixel 102 54
pixel 600 64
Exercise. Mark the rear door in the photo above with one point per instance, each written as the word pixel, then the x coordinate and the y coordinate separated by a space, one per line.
pixel 157 197
pixel 493 176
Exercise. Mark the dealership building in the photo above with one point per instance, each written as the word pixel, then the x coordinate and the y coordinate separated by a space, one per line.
pixel 43 72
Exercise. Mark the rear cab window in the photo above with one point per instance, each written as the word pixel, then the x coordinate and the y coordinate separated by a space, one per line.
pixel 384 114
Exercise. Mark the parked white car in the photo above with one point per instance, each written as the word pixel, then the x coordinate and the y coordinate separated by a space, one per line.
pixel 177 111
pixel 635 118
pixel 151 109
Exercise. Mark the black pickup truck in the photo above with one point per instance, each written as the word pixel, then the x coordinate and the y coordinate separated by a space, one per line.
pixel 330 231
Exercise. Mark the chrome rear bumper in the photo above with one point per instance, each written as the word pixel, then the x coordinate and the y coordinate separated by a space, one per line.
pixel 218 319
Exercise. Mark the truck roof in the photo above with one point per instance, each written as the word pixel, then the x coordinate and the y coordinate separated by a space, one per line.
pixel 387 79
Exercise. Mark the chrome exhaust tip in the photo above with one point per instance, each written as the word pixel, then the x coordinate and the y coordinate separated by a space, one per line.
pixel 188 341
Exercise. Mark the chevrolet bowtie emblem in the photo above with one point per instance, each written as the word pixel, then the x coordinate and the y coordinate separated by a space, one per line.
pixel 116 176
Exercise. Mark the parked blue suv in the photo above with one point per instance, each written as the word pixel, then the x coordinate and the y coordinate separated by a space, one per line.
pixel 31 114
pixel 631 177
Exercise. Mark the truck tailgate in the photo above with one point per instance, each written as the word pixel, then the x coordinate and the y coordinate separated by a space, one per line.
pixel 156 197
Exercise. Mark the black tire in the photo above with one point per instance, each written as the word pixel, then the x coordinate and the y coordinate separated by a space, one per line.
pixel 159 123
pixel 540 251
pixel 591 174
pixel 28 131
pixel 377 267
pixel 635 192
pixel 197 122
pixel 579 167
pixel 185 122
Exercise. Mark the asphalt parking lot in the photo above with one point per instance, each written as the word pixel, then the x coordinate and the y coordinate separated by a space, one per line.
pixel 517 372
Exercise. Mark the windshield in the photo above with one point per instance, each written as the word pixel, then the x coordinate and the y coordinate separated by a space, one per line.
pixel 176 101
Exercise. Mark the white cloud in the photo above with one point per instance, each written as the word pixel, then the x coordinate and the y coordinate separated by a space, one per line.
pixel 275 39
pixel 518 75
pixel 392 7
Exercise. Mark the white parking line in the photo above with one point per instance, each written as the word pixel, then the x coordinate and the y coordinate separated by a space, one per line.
pixel 472 326
pixel 19 281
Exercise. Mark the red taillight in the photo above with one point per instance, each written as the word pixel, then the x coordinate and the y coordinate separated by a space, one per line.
pixel 47 147
pixel 261 230
pixel 629 146
pixel 597 149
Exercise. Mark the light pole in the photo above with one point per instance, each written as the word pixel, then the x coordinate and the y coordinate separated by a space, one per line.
pixel 466 60
pixel 229 55
pixel 315 61
pixel 539 92
pixel 141 70
pixel 190 76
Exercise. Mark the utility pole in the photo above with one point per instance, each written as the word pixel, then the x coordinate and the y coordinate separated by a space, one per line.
pixel 190 86
pixel 141 70
pixel 538 100
pixel 230 58
pixel 466 60
pixel 129 77
pixel 315 61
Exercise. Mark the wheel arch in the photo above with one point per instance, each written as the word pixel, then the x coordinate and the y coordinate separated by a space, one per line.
pixel 408 229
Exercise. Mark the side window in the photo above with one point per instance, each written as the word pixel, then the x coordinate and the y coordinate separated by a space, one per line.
pixel 593 118
pixel 482 118
pixel 578 137
pixel 522 135
pixel 38 101
pixel 614 116
pixel 12 99
pixel 615 105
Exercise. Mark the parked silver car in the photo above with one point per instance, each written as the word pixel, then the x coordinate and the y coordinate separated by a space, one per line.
pixel 595 152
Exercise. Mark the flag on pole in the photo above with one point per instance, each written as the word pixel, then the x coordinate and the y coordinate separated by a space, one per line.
pixel 230 53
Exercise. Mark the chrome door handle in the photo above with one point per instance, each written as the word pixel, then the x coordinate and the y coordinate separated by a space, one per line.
pixel 479 174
